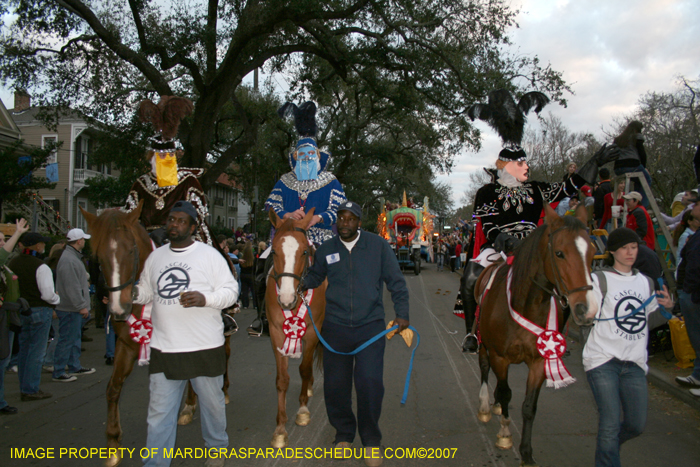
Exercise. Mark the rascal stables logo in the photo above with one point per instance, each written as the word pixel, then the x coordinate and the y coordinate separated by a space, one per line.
pixel 173 279
pixel 630 324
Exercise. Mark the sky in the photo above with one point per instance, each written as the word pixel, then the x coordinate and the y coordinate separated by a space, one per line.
pixel 610 53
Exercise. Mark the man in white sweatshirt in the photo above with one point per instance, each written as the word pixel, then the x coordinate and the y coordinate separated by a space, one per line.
pixel 189 284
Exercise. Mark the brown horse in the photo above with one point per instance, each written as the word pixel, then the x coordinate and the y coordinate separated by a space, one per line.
pixel 553 261
pixel 122 245
pixel 292 254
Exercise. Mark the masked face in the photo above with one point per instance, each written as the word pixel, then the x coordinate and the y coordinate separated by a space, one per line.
pixel 519 170
pixel 164 167
pixel 308 163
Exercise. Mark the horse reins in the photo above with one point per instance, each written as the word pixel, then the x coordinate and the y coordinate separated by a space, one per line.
pixel 134 271
pixel 560 291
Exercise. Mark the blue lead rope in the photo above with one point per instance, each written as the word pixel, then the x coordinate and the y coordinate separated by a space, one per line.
pixel 370 342
pixel 662 309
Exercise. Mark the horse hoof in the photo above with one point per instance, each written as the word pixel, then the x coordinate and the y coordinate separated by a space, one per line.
pixel 226 399
pixel 303 418
pixel 310 392
pixel 279 441
pixel 497 409
pixel 484 417
pixel 505 442
pixel 113 461
pixel 184 419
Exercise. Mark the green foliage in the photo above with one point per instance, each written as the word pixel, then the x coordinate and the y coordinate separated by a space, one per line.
pixel 17 164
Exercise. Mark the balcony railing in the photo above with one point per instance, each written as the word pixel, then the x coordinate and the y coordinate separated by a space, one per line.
pixel 81 175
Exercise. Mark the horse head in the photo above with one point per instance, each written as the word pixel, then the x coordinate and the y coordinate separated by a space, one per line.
pixel 291 254
pixel 121 244
pixel 567 263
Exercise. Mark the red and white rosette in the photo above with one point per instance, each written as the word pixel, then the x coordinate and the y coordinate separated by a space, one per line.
pixel 550 343
pixel 141 331
pixel 294 327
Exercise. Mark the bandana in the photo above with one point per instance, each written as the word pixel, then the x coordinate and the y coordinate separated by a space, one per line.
pixel 164 166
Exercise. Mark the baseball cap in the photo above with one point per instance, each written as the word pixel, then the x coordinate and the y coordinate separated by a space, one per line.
pixel 76 234
pixel 32 238
pixel 187 208
pixel 586 190
pixel 633 195
pixel 352 207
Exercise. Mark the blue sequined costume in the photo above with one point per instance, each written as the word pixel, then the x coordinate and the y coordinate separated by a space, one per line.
pixel 324 193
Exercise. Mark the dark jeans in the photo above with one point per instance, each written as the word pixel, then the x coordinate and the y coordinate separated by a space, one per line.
pixel 247 288
pixel 620 392
pixel 691 316
pixel 368 374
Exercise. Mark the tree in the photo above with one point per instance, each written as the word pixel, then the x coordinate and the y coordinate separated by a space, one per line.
pixel 429 59
pixel 17 165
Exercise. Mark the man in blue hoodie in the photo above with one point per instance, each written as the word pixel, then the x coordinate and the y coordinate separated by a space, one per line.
pixel 357 264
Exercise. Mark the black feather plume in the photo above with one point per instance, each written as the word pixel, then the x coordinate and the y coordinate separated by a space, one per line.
pixel 504 116
pixel 304 117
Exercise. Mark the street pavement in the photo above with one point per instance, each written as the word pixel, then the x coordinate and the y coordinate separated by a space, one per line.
pixel 440 414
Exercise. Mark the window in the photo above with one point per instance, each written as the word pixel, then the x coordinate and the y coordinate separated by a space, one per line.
pixel 79 219
pixel 47 140
pixel 82 144
pixel 231 223
pixel 232 200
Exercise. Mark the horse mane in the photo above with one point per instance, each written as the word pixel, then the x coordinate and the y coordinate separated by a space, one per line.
pixel 527 261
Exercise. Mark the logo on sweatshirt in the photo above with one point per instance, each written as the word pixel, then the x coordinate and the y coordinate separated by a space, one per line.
pixel 172 281
pixel 626 321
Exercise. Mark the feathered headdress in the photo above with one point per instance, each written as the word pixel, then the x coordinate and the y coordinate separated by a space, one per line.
pixel 165 118
pixel 508 118
pixel 304 118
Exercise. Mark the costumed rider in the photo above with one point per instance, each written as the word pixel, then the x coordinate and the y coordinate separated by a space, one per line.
pixel 167 183
pixel 510 208
pixel 308 185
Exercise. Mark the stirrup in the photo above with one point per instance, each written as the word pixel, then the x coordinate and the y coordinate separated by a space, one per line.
pixel 464 343
pixel 254 332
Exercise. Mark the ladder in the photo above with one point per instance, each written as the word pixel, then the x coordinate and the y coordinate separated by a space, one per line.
pixel 671 248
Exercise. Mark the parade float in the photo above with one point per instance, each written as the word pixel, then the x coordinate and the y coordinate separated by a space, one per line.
pixel 408 228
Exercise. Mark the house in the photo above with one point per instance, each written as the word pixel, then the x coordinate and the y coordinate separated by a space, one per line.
pixel 227 208
pixel 72 158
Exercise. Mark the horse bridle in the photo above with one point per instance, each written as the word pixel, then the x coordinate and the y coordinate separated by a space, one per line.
pixel 560 291
pixel 134 271
pixel 276 277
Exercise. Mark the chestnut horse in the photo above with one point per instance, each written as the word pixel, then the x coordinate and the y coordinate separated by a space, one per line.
pixel 554 261
pixel 292 254
pixel 122 245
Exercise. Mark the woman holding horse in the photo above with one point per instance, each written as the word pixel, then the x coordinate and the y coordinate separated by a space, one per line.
pixel 615 355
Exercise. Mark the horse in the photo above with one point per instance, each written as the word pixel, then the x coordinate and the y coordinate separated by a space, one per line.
pixel 553 261
pixel 122 245
pixel 292 254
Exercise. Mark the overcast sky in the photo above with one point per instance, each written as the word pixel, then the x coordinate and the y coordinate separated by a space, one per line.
pixel 610 53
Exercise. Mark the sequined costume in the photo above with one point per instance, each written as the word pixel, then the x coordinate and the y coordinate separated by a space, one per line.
pixel 324 193
pixel 159 200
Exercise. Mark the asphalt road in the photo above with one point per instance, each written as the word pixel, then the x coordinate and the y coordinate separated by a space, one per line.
pixel 440 414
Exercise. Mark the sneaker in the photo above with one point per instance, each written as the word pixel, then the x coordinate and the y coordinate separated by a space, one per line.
pixel 689 381
pixel 82 371
pixel 64 378
pixel 47 368
pixel 215 462
pixel 109 360
pixel 695 392
pixel 12 369
pixel 7 410
pixel 339 450
pixel 373 456
pixel 36 396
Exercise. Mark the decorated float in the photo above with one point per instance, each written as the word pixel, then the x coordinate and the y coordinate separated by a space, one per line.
pixel 408 228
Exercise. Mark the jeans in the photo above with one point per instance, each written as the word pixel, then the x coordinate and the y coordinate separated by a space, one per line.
pixel 440 261
pixel 366 369
pixel 111 337
pixel 636 184
pixel 3 365
pixel 163 407
pixel 691 316
pixel 32 348
pixel 51 350
pixel 620 392
pixel 70 324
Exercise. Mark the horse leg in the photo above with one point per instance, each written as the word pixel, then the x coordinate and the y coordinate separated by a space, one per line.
pixel 227 347
pixel 280 437
pixel 187 412
pixel 502 396
pixel 535 378
pixel 307 375
pixel 484 414
pixel 126 351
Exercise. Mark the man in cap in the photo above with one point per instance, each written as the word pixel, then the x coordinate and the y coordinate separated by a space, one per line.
pixel 357 264
pixel 36 286
pixel 638 218
pixel 74 289
pixel 189 284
